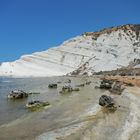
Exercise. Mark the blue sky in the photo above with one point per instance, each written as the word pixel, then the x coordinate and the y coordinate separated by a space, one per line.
pixel 27 26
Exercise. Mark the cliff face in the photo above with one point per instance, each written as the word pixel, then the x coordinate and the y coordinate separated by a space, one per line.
pixel 107 49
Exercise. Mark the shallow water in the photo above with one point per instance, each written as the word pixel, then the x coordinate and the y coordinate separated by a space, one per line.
pixel 64 109
pixel 10 109
pixel 74 116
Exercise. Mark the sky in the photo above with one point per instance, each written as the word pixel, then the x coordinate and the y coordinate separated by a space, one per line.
pixel 27 26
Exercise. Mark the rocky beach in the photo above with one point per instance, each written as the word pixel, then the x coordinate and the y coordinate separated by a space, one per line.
pixel 87 88
pixel 76 115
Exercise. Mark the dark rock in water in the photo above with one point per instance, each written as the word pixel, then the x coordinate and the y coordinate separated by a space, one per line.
pixel 75 89
pixel 106 84
pixel 18 94
pixel 30 93
pixel 66 89
pixel 107 81
pixel 52 86
pixel 106 101
pixel 88 82
pixel 36 104
pixel 117 89
pixel 80 85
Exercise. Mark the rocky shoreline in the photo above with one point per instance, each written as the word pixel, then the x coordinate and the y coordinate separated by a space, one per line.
pixel 123 124
pixel 78 115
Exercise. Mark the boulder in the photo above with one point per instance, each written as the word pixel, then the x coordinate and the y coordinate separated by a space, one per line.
pixel 17 94
pixel 106 84
pixel 88 82
pixel 36 104
pixel 80 85
pixel 30 93
pixel 52 86
pixel 75 89
pixel 117 89
pixel 66 89
pixel 106 101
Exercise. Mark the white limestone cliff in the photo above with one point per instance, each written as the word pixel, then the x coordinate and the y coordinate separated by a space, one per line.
pixel 108 49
